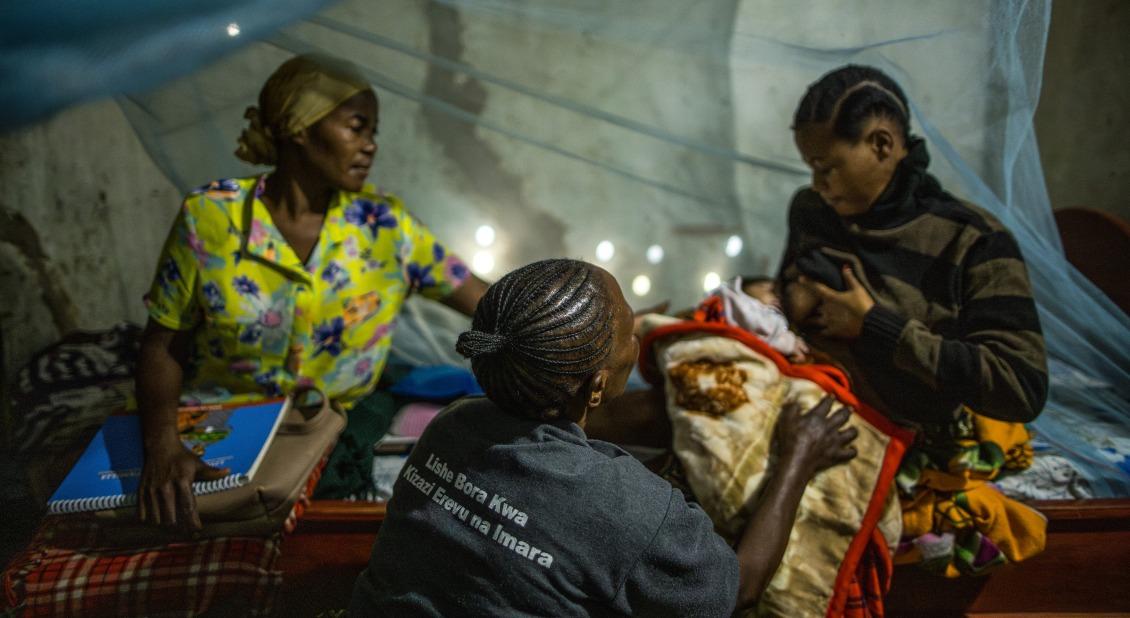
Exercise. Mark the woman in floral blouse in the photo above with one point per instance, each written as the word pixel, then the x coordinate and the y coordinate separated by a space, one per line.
pixel 286 280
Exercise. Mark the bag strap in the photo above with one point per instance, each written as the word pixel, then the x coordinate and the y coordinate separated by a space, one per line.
pixel 309 409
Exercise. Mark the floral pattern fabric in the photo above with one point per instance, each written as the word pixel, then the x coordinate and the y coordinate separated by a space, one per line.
pixel 264 322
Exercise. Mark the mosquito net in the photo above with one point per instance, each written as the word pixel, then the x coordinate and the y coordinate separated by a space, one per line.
pixel 651 136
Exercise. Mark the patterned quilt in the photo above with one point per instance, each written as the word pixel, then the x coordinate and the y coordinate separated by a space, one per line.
pixel 725 389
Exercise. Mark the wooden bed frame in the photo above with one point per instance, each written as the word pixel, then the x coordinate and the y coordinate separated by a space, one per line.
pixel 1085 568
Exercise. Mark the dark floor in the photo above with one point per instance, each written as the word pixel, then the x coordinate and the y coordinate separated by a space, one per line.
pixel 21 512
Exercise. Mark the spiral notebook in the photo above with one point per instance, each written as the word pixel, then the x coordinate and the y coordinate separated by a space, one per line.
pixel 108 473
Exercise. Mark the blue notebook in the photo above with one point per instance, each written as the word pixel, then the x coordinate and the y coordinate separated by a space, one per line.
pixel 108 473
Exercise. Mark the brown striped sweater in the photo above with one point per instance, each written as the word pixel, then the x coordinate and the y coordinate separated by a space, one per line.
pixel 954 321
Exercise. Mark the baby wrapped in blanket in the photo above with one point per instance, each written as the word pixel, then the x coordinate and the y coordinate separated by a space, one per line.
pixel 724 391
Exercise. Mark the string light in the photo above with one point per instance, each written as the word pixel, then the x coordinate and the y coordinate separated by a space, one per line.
pixel 711 281
pixel 655 254
pixel 484 235
pixel 605 251
pixel 733 246
pixel 641 285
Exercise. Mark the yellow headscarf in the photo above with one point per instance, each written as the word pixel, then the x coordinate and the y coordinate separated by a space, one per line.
pixel 300 92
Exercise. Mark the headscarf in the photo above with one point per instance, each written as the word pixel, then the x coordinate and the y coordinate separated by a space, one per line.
pixel 302 91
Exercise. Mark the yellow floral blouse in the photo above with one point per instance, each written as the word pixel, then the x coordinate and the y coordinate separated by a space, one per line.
pixel 263 321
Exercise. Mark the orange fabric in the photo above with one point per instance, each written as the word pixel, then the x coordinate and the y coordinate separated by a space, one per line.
pixel 955 522
pixel 1014 438
pixel 1017 530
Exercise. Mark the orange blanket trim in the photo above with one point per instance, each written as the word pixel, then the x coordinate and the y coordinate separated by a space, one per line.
pixel 832 380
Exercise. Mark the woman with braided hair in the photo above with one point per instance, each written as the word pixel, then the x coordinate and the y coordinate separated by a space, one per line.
pixel 505 507
pixel 925 301
pixel 923 298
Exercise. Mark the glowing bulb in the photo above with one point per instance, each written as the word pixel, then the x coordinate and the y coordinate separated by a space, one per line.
pixel 641 285
pixel 482 262
pixel 711 281
pixel 605 251
pixel 655 254
pixel 233 29
pixel 484 235
pixel 733 246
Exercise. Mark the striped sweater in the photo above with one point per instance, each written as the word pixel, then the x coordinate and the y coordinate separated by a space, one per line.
pixel 954 321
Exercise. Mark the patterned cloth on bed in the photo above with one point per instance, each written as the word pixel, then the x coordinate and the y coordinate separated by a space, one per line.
pixel 725 388
pixel 58 576
pixel 71 387
pixel 955 522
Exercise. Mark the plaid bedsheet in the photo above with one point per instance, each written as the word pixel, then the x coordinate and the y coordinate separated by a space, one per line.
pixel 180 579
pixel 63 573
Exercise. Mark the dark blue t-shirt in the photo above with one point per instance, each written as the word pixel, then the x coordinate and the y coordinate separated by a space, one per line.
pixel 499 515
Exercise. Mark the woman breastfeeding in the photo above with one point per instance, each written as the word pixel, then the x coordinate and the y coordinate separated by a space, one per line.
pixel 285 280
pixel 923 298
pixel 506 508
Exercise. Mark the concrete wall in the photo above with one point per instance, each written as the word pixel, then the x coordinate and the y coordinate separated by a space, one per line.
pixel 83 215
pixel 1083 118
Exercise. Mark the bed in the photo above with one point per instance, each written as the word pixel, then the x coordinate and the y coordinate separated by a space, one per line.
pixel 1083 568
pixel 333 540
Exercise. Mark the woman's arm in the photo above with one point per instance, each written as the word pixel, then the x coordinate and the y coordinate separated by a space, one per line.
pixel 807 443
pixel 994 361
pixel 466 297
pixel 165 495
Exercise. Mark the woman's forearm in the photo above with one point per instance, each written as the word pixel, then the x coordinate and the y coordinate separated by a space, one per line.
pixel 763 542
pixel 466 297
pixel 159 376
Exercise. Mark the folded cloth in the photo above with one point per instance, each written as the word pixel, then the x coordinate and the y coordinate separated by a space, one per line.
pixel 954 521
pixel 413 418
pixel 442 383
pixel 349 471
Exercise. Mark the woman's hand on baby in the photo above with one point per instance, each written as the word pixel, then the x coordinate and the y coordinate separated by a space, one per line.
pixel 165 495
pixel 840 314
pixel 814 439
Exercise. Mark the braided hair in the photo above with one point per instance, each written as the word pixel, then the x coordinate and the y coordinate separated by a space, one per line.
pixel 538 334
pixel 850 96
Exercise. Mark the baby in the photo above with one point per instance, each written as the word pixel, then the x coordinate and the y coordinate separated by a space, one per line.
pixel 752 304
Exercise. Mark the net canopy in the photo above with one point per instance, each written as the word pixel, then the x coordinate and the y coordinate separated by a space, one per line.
pixel 655 130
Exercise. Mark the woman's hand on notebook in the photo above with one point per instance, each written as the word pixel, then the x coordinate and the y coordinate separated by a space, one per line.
pixel 165 496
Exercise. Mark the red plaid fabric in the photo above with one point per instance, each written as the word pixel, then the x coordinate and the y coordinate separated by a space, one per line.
pixel 871 581
pixel 63 573
pixel 176 579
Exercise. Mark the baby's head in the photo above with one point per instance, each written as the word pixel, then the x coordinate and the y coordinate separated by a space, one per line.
pixel 762 289
pixel 852 128
pixel 551 339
